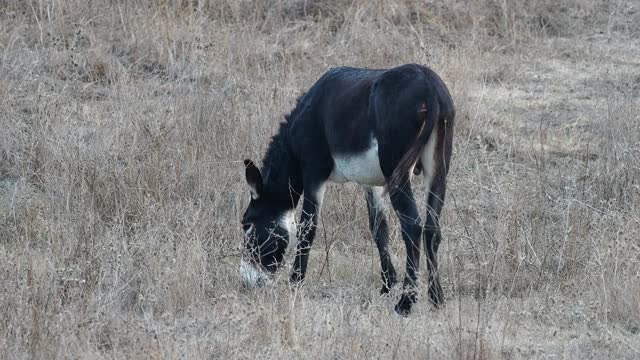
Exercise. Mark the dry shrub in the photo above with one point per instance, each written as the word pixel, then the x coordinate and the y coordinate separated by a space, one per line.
pixel 469 347
pixel 624 308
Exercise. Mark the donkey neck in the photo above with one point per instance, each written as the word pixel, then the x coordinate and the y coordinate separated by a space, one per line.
pixel 283 179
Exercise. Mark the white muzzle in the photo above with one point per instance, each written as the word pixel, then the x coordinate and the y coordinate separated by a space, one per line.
pixel 252 276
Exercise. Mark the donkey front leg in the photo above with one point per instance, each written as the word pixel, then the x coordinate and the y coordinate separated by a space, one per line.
pixel 405 206
pixel 312 203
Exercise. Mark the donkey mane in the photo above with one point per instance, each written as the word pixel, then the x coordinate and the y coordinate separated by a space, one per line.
pixel 279 166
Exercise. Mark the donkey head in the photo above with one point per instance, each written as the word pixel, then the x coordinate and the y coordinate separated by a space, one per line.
pixel 267 226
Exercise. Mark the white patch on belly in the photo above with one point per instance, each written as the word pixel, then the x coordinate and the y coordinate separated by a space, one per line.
pixel 253 277
pixel 428 159
pixel 363 168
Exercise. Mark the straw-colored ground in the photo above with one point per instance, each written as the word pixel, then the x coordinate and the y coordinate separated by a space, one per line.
pixel 122 129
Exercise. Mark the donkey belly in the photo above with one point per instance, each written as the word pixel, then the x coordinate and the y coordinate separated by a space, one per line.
pixel 362 168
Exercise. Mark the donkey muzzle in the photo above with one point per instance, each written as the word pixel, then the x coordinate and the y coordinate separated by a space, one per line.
pixel 252 276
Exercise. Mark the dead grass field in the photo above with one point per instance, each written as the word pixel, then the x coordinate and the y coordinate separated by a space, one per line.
pixel 122 129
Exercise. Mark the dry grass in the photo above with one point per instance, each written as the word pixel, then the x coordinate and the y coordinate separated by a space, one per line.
pixel 123 124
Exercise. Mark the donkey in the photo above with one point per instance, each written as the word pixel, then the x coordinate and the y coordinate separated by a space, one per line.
pixel 368 126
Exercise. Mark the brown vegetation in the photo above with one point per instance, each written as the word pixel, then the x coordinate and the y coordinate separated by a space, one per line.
pixel 122 129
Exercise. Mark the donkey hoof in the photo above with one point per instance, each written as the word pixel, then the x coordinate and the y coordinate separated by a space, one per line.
pixel 296 278
pixel 436 297
pixel 437 300
pixel 403 307
pixel 388 281
pixel 385 289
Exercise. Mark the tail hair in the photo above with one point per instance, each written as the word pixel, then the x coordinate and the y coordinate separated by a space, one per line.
pixel 428 116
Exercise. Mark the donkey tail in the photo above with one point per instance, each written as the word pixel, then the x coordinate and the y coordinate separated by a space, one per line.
pixel 429 116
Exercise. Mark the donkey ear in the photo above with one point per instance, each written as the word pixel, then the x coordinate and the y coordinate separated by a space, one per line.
pixel 254 178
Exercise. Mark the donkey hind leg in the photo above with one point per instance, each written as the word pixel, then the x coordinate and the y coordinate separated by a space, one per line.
pixel 380 231
pixel 432 237
pixel 405 206
pixel 312 203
